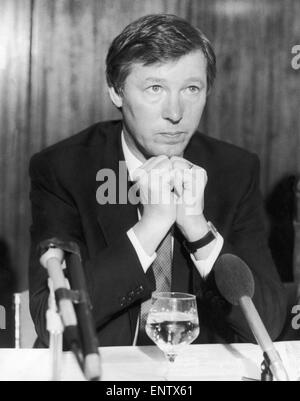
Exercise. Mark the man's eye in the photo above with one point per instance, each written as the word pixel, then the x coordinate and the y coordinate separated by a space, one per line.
pixel 154 89
pixel 193 89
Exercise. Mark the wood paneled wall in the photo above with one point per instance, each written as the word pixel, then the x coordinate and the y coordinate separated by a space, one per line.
pixel 15 32
pixel 52 84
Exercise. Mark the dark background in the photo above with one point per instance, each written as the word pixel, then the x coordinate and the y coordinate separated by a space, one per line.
pixel 52 85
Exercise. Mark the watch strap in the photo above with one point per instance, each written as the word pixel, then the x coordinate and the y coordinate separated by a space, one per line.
pixel 192 247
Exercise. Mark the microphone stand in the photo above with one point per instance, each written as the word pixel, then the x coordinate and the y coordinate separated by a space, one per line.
pixel 55 328
pixel 83 307
pixel 266 374
pixel 84 347
pixel 272 366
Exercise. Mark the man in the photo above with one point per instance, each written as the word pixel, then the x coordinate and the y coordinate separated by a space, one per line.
pixel 207 199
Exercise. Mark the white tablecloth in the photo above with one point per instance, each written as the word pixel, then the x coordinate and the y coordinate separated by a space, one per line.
pixel 197 362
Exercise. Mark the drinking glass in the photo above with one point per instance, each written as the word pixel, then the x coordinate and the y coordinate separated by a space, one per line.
pixel 172 322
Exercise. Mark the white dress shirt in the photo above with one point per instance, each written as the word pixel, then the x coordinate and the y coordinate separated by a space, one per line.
pixel 203 266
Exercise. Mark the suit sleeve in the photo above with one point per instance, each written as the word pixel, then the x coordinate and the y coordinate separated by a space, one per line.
pixel 248 240
pixel 115 279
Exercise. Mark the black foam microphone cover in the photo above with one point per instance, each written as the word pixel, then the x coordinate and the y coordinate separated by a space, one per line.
pixel 233 278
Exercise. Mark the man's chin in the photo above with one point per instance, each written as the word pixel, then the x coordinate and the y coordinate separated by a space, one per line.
pixel 170 152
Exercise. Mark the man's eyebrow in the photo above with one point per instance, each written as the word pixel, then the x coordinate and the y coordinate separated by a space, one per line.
pixel 198 79
pixel 155 79
pixel 161 80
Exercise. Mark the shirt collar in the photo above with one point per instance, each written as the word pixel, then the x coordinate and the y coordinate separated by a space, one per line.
pixel 131 160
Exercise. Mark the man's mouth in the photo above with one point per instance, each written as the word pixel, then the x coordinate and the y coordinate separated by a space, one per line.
pixel 172 134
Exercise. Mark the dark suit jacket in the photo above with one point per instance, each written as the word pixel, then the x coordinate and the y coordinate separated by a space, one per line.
pixel 63 196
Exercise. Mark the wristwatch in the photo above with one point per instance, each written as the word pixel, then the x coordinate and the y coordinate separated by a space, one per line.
pixel 192 247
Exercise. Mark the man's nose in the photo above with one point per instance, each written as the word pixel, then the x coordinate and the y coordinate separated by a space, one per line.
pixel 173 109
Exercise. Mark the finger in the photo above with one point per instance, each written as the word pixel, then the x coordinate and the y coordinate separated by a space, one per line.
pixel 161 167
pixel 178 182
pixel 138 174
pixel 154 162
pixel 150 164
pixel 181 163
pixel 195 179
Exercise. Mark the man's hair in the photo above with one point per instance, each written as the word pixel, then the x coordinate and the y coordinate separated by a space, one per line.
pixel 154 39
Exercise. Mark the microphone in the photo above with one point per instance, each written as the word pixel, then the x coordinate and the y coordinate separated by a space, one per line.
pixel 236 284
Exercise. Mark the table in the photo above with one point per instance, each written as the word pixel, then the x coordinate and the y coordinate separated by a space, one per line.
pixel 197 363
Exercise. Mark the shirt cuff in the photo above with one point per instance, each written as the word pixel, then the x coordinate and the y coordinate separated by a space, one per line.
pixel 145 260
pixel 205 266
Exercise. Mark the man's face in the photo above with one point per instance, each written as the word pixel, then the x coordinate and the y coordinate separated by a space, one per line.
pixel 162 105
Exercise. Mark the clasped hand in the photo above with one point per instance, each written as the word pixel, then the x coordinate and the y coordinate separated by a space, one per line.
pixel 172 191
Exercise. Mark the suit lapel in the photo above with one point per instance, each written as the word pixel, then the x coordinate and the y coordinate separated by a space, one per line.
pixel 117 217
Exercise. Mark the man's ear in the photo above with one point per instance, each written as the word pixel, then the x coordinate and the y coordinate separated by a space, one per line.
pixel 115 97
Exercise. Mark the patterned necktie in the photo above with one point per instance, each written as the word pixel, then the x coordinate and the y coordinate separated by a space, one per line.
pixel 161 267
